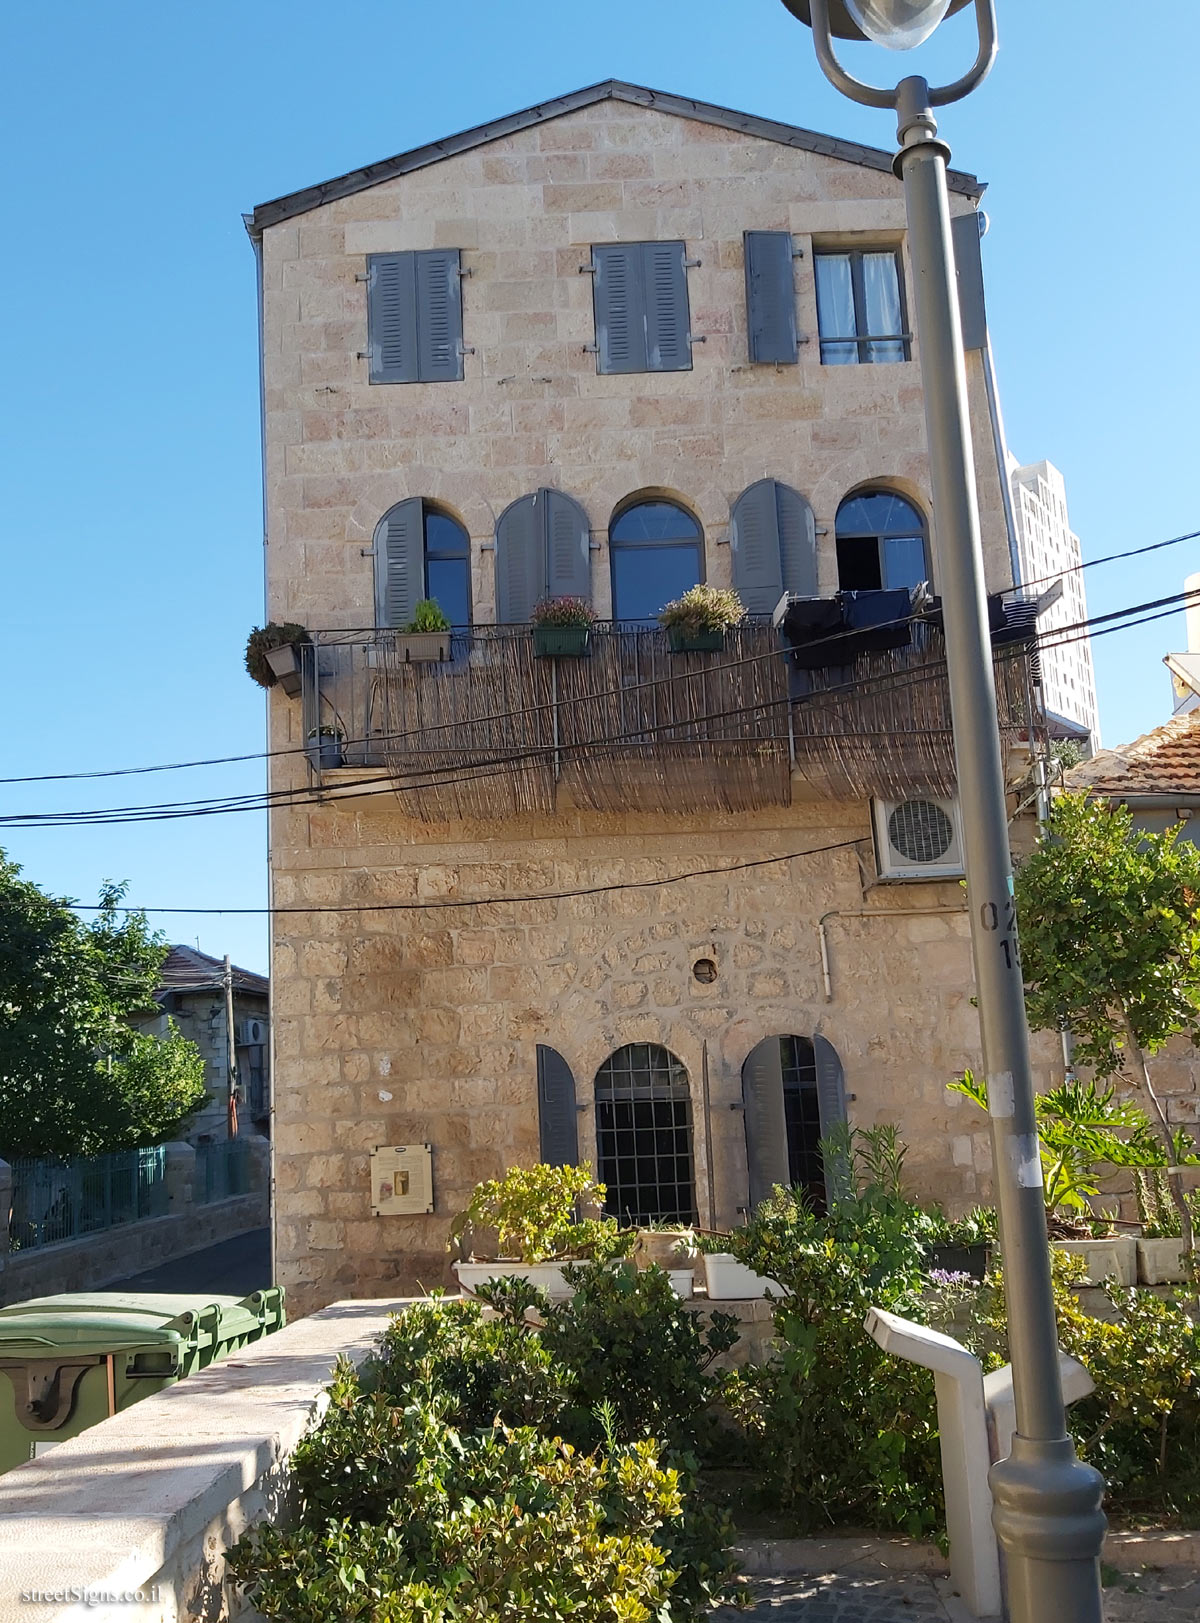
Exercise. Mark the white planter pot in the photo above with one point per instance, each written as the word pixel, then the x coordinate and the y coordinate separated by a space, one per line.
pixel 729 1280
pixel 1105 1259
pixel 547 1276
pixel 1161 1262
pixel 683 1282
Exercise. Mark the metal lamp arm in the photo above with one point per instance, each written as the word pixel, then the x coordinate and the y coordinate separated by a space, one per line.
pixel 872 95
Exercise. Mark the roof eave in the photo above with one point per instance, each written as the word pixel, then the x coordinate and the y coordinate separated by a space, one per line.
pixel 357 180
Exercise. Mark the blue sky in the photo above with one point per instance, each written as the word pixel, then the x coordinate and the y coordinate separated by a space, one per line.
pixel 135 136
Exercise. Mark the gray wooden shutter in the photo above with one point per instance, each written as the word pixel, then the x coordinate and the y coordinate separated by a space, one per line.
pixel 668 321
pixel 754 545
pixel 399 563
pixel 620 310
pixel 831 1101
pixel 766 1123
pixel 797 542
pixel 520 560
pixel 968 260
pixel 392 318
pixel 568 551
pixel 558 1119
pixel 770 296
pixel 439 316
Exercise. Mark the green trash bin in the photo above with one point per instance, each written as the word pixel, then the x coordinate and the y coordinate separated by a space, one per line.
pixel 67 1362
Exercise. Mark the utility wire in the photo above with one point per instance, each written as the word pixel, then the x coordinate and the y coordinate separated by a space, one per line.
pixel 452 773
pixel 493 901
pixel 300 749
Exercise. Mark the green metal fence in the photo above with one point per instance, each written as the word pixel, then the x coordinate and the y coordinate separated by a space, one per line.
pixel 222 1170
pixel 62 1200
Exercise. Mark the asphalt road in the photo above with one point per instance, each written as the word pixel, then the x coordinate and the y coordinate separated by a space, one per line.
pixel 232 1268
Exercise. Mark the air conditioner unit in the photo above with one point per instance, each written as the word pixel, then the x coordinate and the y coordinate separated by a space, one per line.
pixel 252 1033
pixel 919 838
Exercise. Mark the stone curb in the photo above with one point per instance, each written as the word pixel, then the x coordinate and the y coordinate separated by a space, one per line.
pixel 783 1557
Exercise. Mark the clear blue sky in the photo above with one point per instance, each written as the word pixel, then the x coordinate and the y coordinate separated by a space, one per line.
pixel 137 134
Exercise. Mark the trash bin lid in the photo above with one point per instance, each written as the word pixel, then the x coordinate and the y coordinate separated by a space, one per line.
pixel 107 1321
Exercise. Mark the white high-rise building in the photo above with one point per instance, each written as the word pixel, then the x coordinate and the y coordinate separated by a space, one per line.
pixel 1047 546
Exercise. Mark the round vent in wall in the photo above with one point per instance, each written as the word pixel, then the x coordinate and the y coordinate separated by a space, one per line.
pixel 920 831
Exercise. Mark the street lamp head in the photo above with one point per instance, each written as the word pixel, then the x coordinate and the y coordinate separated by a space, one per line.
pixel 898 24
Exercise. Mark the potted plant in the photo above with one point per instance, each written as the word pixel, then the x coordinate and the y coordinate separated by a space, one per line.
pixel 532 1212
pixel 1161 1259
pixel 673 1248
pixel 325 750
pixel 963 1244
pixel 273 655
pixel 562 627
pixel 697 621
pixel 425 640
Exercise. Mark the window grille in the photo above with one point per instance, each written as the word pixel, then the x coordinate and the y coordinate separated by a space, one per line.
pixel 644 1136
pixel 802 1115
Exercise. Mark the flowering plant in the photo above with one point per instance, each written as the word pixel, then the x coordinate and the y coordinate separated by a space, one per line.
pixel 705 608
pixel 563 611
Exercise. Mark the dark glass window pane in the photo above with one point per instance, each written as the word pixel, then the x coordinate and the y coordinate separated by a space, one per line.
pixel 880 543
pixel 647 578
pixel 448 582
pixel 644 1135
pixel 904 561
pixel 654 521
pixel 802 1116
pixel 444 537
pixel 878 512
pixel 858 564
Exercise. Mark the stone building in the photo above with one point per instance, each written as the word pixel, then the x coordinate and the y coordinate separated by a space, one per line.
pixel 191 992
pixel 673 913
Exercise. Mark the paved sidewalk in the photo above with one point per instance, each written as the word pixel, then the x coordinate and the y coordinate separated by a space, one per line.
pixel 1168 1595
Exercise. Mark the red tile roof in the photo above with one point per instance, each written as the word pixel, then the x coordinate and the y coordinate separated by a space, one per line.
pixel 187 968
pixel 1164 762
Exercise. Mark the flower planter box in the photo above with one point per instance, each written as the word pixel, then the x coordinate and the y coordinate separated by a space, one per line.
pixel 422 647
pixel 729 1280
pixel 561 642
pixel 959 1259
pixel 1105 1259
pixel 683 641
pixel 547 1276
pixel 285 666
pixel 326 753
pixel 1161 1262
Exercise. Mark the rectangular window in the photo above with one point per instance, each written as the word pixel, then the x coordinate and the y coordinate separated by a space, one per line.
pixel 641 302
pixel 414 317
pixel 860 308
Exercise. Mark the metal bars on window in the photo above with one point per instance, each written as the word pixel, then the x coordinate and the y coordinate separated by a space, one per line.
pixel 644 1136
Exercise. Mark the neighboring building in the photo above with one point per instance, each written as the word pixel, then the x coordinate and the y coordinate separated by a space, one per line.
pixel 192 993
pixel 608 347
pixel 1185 667
pixel 1048 550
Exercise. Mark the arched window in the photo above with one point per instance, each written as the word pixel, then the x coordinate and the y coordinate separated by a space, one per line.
pixel 421 552
pixel 794 1095
pixel 880 543
pixel 644 1136
pixel 656 552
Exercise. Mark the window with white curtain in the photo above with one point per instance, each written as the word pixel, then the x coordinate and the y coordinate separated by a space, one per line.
pixel 861 317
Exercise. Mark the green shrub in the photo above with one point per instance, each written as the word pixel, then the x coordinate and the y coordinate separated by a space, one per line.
pixel 704 608
pixel 262 638
pixel 563 611
pixel 533 1211
pixel 427 616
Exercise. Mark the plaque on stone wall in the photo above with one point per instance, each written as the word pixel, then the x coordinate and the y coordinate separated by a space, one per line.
pixel 401 1179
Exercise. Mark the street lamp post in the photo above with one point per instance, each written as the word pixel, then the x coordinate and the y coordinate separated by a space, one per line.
pixel 1046 1501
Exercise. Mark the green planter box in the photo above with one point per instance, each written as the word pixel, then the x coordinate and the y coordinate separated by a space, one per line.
pixel 561 642
pixel 695 642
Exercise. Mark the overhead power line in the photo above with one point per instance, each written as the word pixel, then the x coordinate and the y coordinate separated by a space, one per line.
pixel 494 901
pixel 266 755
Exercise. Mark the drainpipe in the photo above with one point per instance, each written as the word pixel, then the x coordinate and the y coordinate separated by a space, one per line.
pixel 868 913
pixel 1001 445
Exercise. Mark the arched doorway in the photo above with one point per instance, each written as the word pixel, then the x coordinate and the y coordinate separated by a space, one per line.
pixel 794 1094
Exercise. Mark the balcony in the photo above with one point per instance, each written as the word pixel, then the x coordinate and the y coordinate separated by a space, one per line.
pixel 494 732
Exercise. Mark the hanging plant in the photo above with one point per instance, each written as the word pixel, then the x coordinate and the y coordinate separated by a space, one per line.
pixel 273 655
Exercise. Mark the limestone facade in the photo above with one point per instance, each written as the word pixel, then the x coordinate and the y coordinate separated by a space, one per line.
pixel 409 1002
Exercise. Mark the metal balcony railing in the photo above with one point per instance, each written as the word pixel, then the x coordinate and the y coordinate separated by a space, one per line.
pixel 494 731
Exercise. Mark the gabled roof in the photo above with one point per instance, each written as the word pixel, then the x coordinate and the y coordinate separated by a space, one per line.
pixel 1158 766
pixel 358 180
pixel 188 970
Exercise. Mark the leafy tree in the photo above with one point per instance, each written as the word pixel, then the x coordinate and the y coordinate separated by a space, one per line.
pixel 1110 948
pixel 75 1079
